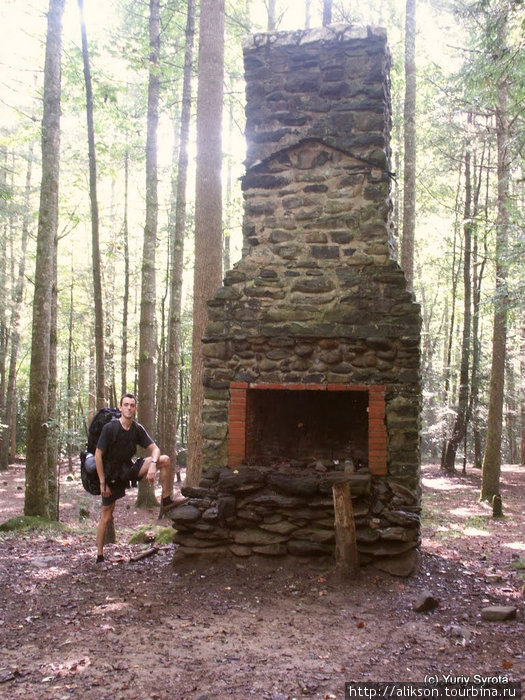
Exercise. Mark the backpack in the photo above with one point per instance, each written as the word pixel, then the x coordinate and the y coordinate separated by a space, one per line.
pixel 88 471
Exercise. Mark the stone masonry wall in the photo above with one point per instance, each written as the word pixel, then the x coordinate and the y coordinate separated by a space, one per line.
pixel 278 512
pixel 317 298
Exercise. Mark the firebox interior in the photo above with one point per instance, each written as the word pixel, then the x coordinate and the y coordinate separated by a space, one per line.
pixel 290 425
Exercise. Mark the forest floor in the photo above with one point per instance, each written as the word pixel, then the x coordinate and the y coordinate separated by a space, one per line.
pixel 271 629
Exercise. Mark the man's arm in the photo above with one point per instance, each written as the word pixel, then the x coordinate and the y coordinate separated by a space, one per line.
pixel 154 452
pixel 104 490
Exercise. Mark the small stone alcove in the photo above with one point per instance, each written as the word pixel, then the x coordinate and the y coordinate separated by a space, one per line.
pixel 303 426
pixel 271 424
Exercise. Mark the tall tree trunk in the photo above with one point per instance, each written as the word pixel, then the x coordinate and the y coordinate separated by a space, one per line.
pixel 53 472
pixel 208 206
pixel 8 231
pixel 478 268
pixel 18 297
pixel 409 167
pixel 522 400
pixel 460 423
pixel 271 16
pixel 177 249
pixel 491 468
pixel 511 413
pixel 147 326
pixel 226 243
pixel 327 12
pixel 37 487
pixel 95 245
pixel 125 300
pixel 446 394
pixel 70 392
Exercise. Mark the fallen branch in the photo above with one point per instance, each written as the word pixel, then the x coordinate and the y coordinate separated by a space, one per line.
pixel 146 553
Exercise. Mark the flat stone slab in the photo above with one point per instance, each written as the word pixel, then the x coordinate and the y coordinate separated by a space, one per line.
pixel 498 613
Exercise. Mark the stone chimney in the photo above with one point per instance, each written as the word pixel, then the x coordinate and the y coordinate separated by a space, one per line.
pixel 312 347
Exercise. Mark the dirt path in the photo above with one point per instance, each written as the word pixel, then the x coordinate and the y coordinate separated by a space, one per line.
pixel 270 629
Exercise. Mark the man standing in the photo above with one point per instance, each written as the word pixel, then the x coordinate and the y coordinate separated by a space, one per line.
pixel 114 455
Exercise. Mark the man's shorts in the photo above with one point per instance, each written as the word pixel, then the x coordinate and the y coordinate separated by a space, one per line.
pixel 118 488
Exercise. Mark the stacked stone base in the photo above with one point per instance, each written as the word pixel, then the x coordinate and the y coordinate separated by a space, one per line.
pixel 287 510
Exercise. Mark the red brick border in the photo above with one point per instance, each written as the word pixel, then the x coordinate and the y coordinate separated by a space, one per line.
pixel 377 437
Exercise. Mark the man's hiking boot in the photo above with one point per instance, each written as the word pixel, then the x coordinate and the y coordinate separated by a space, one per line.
pixel 169 503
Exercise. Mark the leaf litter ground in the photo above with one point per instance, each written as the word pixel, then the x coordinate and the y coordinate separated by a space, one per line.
pixel 271 629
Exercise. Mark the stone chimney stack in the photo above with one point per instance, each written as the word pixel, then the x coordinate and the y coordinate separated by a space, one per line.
pixel 312 347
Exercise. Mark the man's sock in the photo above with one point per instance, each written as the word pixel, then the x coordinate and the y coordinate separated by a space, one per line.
pixel 100 558
pixel 166 500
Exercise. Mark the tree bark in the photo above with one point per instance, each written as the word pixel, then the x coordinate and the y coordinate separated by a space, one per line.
pixel 271 16
pixel 95 244
pixel 147 326
pixel 8 228
pixel 327 12
pixel 522 401
pixel 478 268
pixel 9 414
pixel 446 400
pixel 52 437
pixel 178 220
pixel 409 166
pixel 37 487
pixel 460 423
pixel 70 393
pixel 491 468
pixel 208 206
pixel 125 300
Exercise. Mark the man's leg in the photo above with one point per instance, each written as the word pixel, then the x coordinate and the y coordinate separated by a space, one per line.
pixel 163 467
pixel 106 515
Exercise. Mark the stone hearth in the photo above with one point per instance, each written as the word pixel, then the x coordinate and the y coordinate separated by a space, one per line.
pixel 312 347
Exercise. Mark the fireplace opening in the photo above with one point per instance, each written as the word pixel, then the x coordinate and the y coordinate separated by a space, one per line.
pixel 303 426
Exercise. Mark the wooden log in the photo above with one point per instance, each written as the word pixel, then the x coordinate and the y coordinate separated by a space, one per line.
pixel 346 556
pixel 146 553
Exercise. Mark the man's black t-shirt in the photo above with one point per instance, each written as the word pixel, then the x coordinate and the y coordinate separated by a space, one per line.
pixel 119 446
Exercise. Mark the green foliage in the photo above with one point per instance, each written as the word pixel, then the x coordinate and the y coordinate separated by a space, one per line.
pixel 30 523
pixel 145 534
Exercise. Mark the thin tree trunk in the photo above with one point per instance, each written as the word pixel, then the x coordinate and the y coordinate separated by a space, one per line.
pixel 37 487
pixel 327 12
pixel 125 301
pixel 271 16
pixel 70 393
pixel 226 244
pixel 53 473
pixel 446 400
pixel 478 273
pixel 460 423
pixel 522 401
pixel 208 207
pixel 18 297
pixel 147 326
pixel 8 232
pixel 177 250
pixel 511 414
pixel 491 468
pixel 409 166
pixel 95 245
